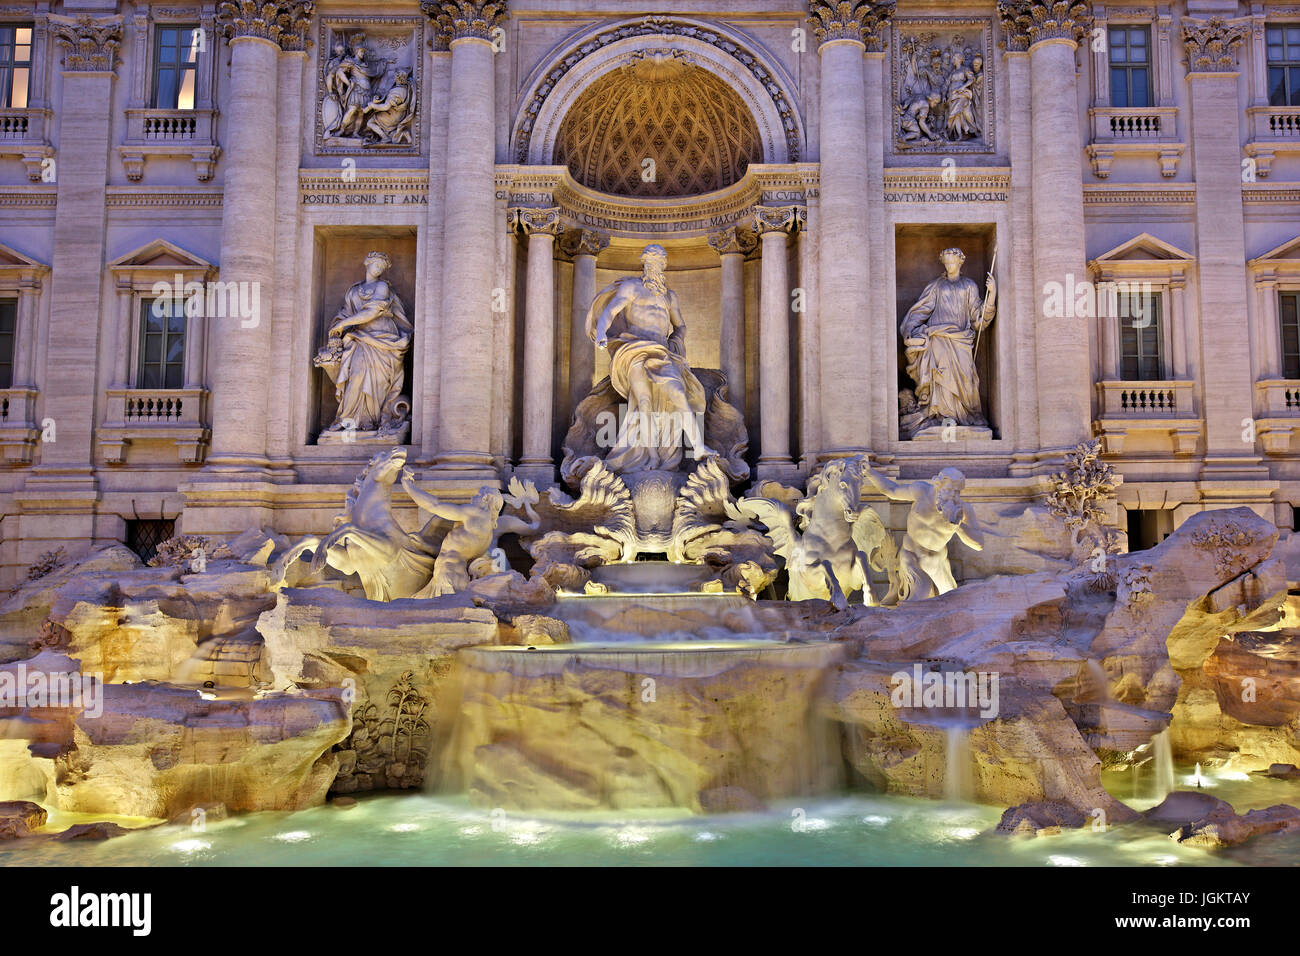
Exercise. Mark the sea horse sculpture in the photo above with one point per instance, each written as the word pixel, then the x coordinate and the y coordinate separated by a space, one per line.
pixel 829 554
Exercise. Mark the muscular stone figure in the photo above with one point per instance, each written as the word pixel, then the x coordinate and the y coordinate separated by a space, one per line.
pixel 936 517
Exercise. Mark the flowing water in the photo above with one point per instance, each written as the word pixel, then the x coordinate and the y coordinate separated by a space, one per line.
pixel 959 765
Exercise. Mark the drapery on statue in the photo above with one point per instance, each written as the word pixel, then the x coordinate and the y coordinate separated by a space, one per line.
pixel 641 324
pixel 937 516
pixel 939 333
pixel 365 355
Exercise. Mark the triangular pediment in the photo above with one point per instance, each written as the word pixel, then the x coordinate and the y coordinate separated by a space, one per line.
pixel 160 254
pixel 1288 251
pixel 12 258
pixel 1144 248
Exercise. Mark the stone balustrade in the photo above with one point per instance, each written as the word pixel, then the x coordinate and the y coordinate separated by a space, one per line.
pixel 1134 131
pixel 18 431
pixel 1274 130
pixel 1162 413
pixel 189 134
pixel 175 415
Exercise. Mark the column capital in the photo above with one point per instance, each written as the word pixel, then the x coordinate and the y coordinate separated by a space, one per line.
pixel 459 19
pixel 91 43
pixel 784 219
pixel 529 220
pixel 1211 45
pixel 583 242
pixel 283 22
pixel 860 20
pixel 732 240
pixel 1027 22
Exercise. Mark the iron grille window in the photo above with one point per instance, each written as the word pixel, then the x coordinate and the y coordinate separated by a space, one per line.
pixel 143 535
pixel 1139 334
pixel 8 327
pixel 15 64
pixel 176 55
pixel 1130 66
pixel 1283 55
pixel 1288 311
pixel 162 343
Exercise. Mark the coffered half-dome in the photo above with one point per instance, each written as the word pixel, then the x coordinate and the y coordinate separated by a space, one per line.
pixel 663 107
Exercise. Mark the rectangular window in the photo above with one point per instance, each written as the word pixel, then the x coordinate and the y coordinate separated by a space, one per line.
pixel 8 328
pixel 162 344
pixel 15 64
pixel 1139 336
pixel 175 59
pixel 1288 313
pixel 1147 527
pixel 1130 66
pixel 143 535
pixel 1283 43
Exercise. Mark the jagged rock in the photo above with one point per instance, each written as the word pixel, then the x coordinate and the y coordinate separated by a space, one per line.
pixel 1284 771
pixel 1184 807
pixel 536 630
pixel 1032 819
pixel 1222 827
pixel 100 830
pixel 1018 539
pixel 18 818
pixel 396 660
pixel 28 606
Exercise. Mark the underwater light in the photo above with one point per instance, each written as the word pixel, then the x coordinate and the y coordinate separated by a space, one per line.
pixel 293 836
pixel 1065 861
pixel 404 827
pixel 190 846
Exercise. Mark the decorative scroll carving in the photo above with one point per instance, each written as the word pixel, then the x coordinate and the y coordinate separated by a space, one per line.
pixel 462 19
pixel 583 242
pixel 284 23
pixel 1211 46
pixel 91 43
pixel 660 26
pixel 859 20
pixel 943 98
pixel 529 221
pixel 779 218
pixel 732 240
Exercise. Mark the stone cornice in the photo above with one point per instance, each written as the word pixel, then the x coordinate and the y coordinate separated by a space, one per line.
pixel 283 22
pixel 1210 45
pixel 90 43
pixel 860 20
pixel 1027 22
pixel 462 19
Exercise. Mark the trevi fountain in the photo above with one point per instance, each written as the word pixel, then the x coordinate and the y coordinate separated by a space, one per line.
pixel 537 432
pixel 660 656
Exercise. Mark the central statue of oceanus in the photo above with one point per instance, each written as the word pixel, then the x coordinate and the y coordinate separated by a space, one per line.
pixel 654 413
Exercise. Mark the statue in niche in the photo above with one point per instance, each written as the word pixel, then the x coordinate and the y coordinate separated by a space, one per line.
pixel 940 97
pixel 940 333
pixel 648 367
pixel 364 356
pixel 354 108
pixel 936 517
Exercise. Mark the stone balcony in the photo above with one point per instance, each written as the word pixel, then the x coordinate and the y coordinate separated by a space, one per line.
pixel 23 133
pixel 1157 417
pixel 187 134
pixel 18 431
pixel 1277 424
pixel 155 415
pixel 1273 130
pixel 1134 131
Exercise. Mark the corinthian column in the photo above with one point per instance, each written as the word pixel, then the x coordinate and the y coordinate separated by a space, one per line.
pixel 774 225
pixel 465 403
pixel 732 246
pixel 845 31
pixel 1227 383
pixel 1051 32
pixel 240 359
pixel 583 245
pixel 540 226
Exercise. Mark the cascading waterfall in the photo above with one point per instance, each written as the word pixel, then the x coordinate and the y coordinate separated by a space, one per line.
pixel 959 765
pixel 1163 757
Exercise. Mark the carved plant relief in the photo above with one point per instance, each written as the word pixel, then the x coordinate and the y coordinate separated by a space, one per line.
pixel 942 94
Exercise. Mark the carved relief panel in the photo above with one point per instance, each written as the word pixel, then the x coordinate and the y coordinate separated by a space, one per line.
pixel 941 90
pixel 368 79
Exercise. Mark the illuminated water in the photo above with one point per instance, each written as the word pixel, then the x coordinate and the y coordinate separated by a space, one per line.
pixel 857 830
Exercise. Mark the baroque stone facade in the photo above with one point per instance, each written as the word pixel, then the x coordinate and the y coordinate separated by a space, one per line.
pixel 803 165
